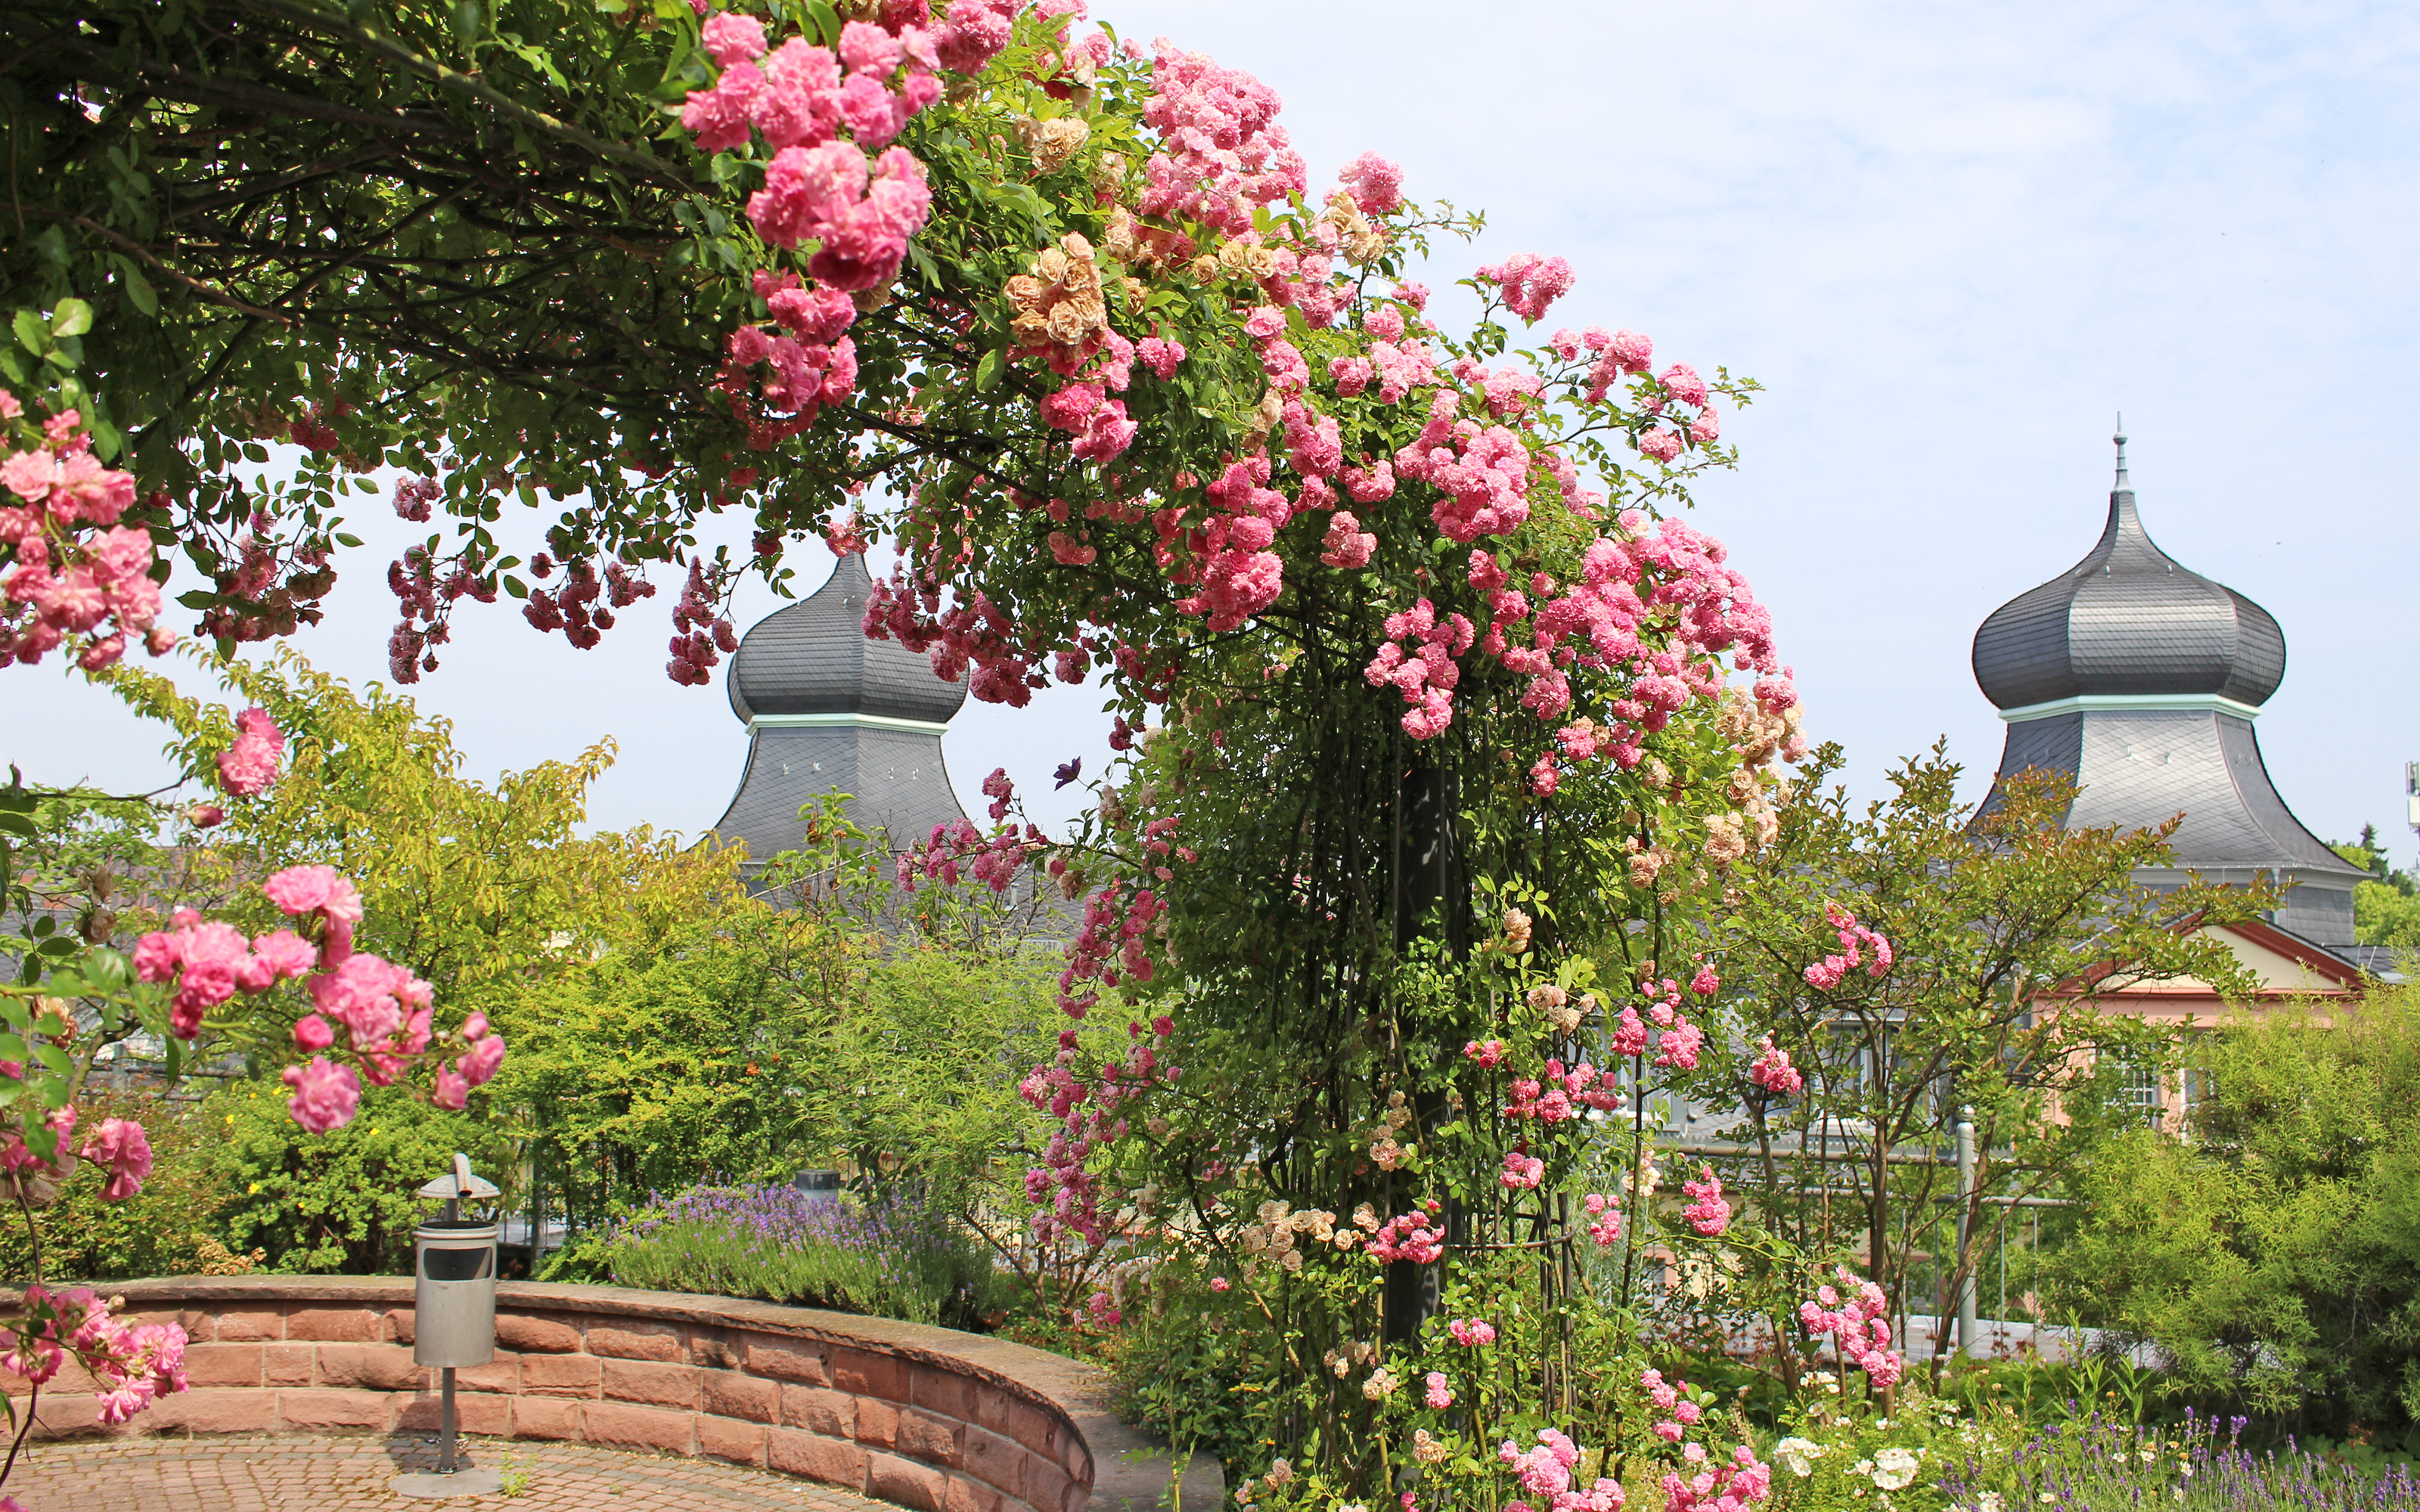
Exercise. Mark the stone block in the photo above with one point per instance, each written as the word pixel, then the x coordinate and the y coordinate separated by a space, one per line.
pixel 996 1461
pixel 251 1327
pixel 338 1325
pixel 964 1495
pixel 1016 1418
pixel 402 1325
pixel 831 1413
pixel 503 1373
pixel 74 1415
pixel 379 1366
pixel 785 1359
pixel 904 1482
pixel 221 1365
pixel 944 1392
pixel 536 1335
pixel 928 1438
pixel 816 1458
pixel 863 1374
pixel 213 1412
pixel 537 1417
pixel 877 1423
pixel 729 1394
pixel 424 1411
pixel 561 1375
pixel 289 1365
pixel 715 1348
pixel 627 1338
pixel 300 1410
pixel 1046 1485
pixel 658 1385
pixel 725 1438
pixel 637 1427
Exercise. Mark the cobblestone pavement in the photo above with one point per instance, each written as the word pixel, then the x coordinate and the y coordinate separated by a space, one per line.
pixel 300 1473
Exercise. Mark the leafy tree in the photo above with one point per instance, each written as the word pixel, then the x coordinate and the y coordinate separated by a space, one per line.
pixel 478 890
pixel 2275 1255
pixel 2011 933
pixel 2386 911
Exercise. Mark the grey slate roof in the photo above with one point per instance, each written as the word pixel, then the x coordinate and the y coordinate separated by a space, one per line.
pixel 2127 620
pixel 813 658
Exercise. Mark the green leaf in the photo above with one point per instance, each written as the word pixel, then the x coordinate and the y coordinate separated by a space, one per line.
pixel 176 1059
pixel 827 21
pixel 11 1048
pixel 198 599
pixel 73 318
pixel 343 538
pixel 514 586
pixel 55 1059
pixel 988 371
pixel 139 292
pixel 31 333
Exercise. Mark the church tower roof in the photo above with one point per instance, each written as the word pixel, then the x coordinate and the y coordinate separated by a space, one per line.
pixel 2129 621
pixel 2140 680
pixel 830 711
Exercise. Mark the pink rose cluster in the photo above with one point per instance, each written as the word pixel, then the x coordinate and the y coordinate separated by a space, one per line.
pixel 1220 150
pixel 1604 1219
pixel 1426 674
pixel 1859 1322
pixel 1653 580
pixel 1561 1094
pixel 1529 283
pixel 75 574
pixel 210 962
pixel 1066 1195
pixel 1709 1485
pixel 385 1010
pixel 973 633
pixel 822 187
pixel 1471 1333
pixel 952 850
pixel 1707 1212
pixel 1856 939
pixel 129 1366
pixel 1417 1236
pixel 250 764
pixel 1771 1070
pixel 1679 1044
pixel 1227 560
pixel 1545 1471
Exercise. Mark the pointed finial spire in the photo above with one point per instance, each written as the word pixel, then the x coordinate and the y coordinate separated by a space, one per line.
pixel 2123 487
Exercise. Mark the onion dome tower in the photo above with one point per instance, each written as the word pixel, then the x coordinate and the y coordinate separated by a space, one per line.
pixel 2140 680
pixel 830 711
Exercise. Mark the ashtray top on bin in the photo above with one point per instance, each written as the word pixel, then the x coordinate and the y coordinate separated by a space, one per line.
pixel 458 1185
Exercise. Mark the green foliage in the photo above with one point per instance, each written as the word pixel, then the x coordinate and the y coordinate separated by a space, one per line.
pixel 789 1030
pixel 2010 931
pixel 892 1257
pixel 170 1228
pixel 2386 911
pixel 2276 1256
pixel 481 892
pixel 343 1202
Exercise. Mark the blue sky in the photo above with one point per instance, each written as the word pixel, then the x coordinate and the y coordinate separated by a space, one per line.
pixel 1951 240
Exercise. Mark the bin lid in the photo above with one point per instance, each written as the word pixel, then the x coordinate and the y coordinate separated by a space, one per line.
pixel 458 1183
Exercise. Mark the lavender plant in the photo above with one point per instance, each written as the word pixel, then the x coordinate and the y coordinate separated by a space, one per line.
pixel 2087 1464
pixel 889 1258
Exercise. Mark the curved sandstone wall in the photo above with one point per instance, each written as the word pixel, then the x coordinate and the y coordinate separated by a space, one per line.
pixel 926 1417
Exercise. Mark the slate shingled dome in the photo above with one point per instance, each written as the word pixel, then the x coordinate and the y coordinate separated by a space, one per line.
pixel 2126 619
pixel 829 711
pixel 2140 680
pixel 813 658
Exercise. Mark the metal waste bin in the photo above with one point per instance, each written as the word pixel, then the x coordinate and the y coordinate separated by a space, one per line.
pixel 454 1295
pixel 453 1317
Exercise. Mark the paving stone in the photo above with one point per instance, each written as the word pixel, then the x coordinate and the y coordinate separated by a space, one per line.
pixel 326 1473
